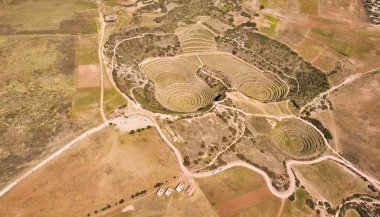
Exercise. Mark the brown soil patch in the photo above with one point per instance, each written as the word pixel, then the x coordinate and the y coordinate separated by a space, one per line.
pixel 242 202
pixel 88 75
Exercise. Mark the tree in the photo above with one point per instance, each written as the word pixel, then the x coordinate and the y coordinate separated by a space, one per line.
pixel 186 161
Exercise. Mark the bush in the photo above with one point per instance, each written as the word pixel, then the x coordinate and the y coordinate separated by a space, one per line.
pixel 310 203
pixel 245 14
pixel 291 197
pixel 158 184
pixel 186 161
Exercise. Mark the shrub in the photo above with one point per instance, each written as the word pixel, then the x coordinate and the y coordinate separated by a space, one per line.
pixel 291 197
pixel 186 161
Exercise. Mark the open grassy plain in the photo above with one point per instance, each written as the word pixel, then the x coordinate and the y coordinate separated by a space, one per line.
pixel 41 56
pixel 37 87
pixel 354 122
pixel 330 181
pixel 102 169
pixel 239 192
pixel 47 17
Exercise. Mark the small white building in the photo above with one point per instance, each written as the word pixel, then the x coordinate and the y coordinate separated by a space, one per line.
pixel 160 192
pixel 168 191
pixel 179 187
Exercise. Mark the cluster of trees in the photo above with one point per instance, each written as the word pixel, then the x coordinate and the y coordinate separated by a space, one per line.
pixel 138 193
pixel 121 201
pixel 360 209
pixel 158 184
pixel 139 130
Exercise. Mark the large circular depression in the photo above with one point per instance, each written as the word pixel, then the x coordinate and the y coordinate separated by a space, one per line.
pixel 297 139
pixel 184 97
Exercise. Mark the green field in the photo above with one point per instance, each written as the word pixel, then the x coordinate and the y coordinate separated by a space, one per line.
pixel 86 50
pixel 112 100
pixel 85 99
pixel 336 41
pixel 271 25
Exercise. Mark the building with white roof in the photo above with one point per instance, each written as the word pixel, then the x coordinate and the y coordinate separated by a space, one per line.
pixel 179 187
pixel 168 191
pixel 160 192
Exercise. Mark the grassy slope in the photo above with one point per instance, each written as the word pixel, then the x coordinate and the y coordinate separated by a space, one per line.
pixel 332 181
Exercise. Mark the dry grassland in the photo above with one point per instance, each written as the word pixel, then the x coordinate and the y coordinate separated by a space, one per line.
pixel 354 123
pixel 96 172
pixel 237 192
pixel 330 181
pixel 47 17
pixel 310 49
pixel 178 204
